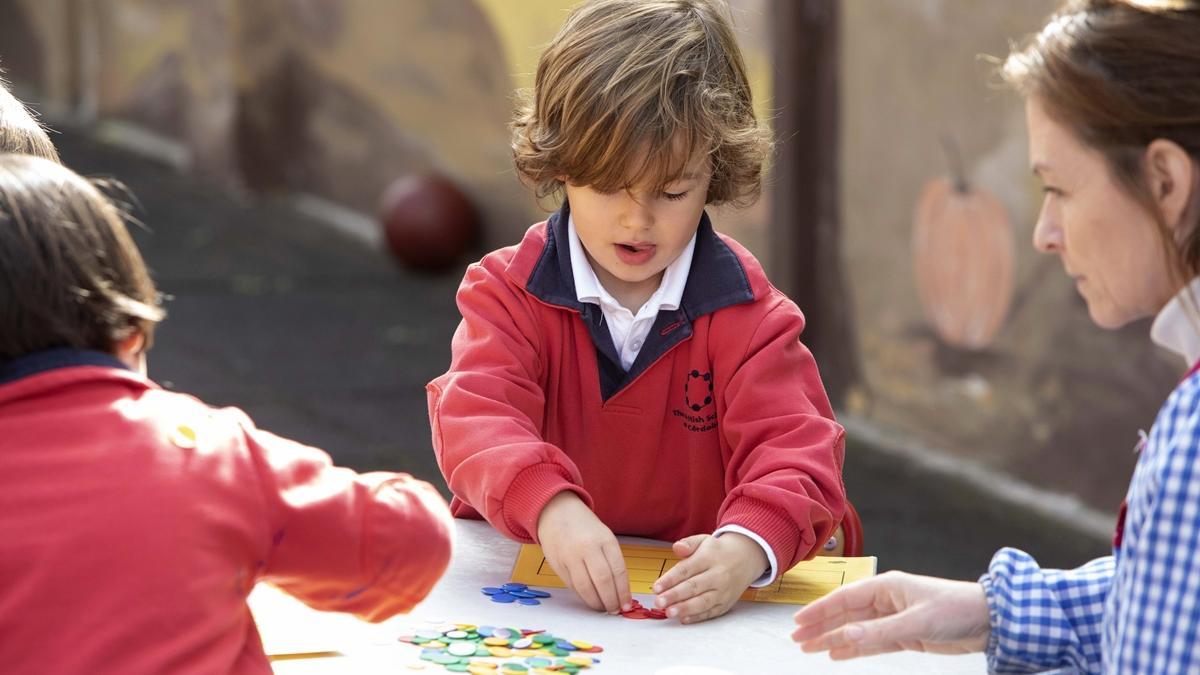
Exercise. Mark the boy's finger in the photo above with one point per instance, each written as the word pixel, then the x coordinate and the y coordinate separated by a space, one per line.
pixel 695 607
pixel 582 583
pixel 616 562
pixel 685 591
pixel 673 577
pixel 602 579
pixel 688 545
pixel 562 571
pixel 682 570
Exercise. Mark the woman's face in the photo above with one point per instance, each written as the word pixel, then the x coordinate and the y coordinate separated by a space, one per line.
pixel 1109 244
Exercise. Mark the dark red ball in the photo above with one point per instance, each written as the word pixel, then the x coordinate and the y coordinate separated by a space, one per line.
pixel 429 223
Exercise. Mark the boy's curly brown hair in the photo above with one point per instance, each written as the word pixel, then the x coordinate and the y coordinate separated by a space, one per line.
pixel 631 91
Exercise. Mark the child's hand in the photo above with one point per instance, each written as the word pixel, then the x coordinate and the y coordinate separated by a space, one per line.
pixel 713 574
pixel 584 553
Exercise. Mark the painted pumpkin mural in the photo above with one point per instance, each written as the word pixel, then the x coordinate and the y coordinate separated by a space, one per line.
pixel 963 258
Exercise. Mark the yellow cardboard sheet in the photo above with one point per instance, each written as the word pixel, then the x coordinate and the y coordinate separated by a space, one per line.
pixel 800 585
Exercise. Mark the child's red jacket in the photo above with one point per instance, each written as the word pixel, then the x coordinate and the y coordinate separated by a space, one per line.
pixel 134 522
pixel 721 420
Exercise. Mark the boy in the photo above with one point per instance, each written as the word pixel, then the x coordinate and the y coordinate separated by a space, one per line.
pixel 134 521
pixel 625 368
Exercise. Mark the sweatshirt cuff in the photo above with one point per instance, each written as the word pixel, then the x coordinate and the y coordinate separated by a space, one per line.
pixel 404 509
pixel 528 494
pixel 772 564
pixel 784 538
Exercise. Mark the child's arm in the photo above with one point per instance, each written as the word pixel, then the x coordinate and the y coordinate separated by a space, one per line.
pixel 784 478
pixel 487 414
pixel 371 544
pixel 487 411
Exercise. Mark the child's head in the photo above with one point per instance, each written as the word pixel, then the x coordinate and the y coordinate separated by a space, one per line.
pixel 641 110
pixel 70 274
pixel 631 91
pixel 20 133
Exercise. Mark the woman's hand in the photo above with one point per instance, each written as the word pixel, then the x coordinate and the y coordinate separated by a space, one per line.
pixel 896 611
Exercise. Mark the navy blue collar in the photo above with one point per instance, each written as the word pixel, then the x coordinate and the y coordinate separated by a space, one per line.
pixel 51 359
pixel 716 280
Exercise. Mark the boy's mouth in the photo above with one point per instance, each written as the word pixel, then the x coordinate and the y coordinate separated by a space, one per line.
pixel 635 253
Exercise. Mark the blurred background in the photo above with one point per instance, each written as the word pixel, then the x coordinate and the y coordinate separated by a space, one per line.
pixel 260 139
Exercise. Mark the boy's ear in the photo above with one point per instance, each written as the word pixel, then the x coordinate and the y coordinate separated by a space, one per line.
pixel 132 350
pixel 132 345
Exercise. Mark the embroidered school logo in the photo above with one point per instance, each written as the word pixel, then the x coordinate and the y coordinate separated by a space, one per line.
pixel 698 390
pixel 697 395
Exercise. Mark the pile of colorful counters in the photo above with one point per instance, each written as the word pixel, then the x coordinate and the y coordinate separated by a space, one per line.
pixel 487 650
pixel 513 592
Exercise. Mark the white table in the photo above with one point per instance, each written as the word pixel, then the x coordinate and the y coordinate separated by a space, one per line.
pixel 751 638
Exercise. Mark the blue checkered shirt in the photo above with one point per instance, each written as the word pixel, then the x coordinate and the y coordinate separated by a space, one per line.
pixel 1137 611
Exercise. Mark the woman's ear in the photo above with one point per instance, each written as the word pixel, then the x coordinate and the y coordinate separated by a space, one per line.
pixel 1173 179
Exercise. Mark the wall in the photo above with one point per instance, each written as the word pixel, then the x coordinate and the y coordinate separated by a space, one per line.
pixel 1054 400
pixel 337 97
pixel 330 97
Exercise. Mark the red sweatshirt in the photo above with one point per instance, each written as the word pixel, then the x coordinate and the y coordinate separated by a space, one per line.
pixel 134 522
pixel 722 419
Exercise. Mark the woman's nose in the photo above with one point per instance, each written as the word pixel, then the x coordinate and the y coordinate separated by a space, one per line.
pixel 1047 235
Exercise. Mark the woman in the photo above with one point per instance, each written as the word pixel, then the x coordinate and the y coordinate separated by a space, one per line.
pixel 1112 91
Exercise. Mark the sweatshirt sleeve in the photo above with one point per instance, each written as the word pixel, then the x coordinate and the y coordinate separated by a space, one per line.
pixel 486 412
pixel 784 479
pixel 371 544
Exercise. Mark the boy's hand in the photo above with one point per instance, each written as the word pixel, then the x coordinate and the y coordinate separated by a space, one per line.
pixel 713 574
pixel 584 553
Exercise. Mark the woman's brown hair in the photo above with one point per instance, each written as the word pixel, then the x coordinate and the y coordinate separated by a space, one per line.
pixel 70 274
pixel 1121 74
pixel 630 91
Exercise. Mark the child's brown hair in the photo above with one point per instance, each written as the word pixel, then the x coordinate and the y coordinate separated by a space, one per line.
pixel 20 133
pixel 630 91
pixel 70 274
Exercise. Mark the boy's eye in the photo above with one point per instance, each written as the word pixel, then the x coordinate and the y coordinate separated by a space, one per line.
pixel 675 196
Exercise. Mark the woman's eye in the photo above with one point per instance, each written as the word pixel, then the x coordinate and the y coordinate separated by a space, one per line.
pixel 675 196
pixel 1051 190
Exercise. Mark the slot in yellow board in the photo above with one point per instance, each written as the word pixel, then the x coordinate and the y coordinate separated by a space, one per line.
pixel 800 585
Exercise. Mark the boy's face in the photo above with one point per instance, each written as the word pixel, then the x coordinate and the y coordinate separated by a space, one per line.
pixel 631 236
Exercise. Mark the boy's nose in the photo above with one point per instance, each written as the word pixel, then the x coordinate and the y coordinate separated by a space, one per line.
pixel 637 213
